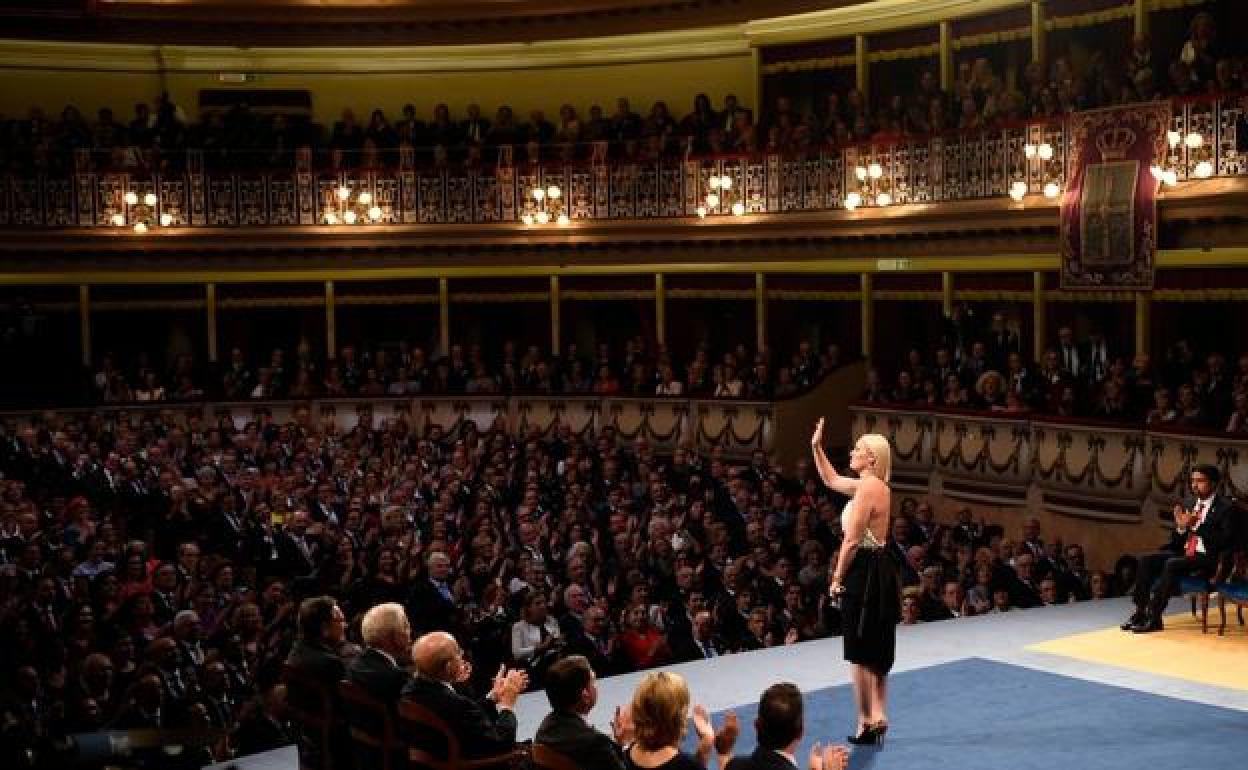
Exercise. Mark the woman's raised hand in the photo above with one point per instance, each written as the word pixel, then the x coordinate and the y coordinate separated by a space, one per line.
pixel 816 438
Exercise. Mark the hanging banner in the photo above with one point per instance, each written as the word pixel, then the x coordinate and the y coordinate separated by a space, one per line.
pixel 1109 210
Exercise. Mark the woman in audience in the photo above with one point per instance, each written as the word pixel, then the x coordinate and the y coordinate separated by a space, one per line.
pixel 660 710
pixel 643 645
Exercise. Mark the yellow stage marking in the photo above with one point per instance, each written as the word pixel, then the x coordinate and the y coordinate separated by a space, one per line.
pixel 1181 651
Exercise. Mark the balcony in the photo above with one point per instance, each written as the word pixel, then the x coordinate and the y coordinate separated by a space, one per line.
pixel 195 193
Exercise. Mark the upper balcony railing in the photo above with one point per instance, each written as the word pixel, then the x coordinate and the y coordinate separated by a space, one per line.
pixel 194 192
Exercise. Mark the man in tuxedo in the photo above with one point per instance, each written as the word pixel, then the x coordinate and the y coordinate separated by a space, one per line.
pixel 378 670
pixel 779 726
pixel 388 641
pixel 1204 530
pixel 594 641
pixel 322 626
pixel 484 728
pixel 572 689
pixel 701 643
pixel 430 601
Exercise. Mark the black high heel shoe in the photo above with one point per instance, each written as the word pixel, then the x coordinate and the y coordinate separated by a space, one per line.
pixel 871 735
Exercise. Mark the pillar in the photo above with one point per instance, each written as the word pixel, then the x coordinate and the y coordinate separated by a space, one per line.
pixel 760 312
pixel 868 317
pixel 1039 334
pixel 1143 321
pixel 1141 18
pixel 1037 30
pixel 331 322
pixel 756 65
pixel 444 317
pixel 660 309
pixel 946 56
pixel 84 322
pixel 946 293
pixel 862 74
pixel 210 306
pixel 554 316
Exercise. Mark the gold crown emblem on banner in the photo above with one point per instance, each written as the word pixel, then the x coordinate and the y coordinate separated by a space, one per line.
pixel 1114 143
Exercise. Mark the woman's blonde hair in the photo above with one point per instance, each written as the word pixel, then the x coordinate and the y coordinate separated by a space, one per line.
pixel 660 707
pixel 880 449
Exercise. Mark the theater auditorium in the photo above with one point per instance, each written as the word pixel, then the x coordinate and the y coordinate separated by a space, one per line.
pixel 623 384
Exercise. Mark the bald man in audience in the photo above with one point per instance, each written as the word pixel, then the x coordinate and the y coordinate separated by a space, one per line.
pixel 484 728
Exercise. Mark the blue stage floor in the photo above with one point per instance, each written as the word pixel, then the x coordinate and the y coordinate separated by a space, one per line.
pixel 968 694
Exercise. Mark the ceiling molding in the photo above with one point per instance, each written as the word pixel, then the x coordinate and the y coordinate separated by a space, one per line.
pixel 709 42
pixel 868 18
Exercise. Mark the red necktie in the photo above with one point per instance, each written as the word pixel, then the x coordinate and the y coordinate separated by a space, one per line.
pixel 1190 550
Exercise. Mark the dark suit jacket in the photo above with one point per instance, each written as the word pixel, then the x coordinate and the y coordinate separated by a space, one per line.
pixel 761 759
pixel 428 609
pixel 319 663
pixel 482 729
pixel 374 672
pixel 1217 531
pixel 569 735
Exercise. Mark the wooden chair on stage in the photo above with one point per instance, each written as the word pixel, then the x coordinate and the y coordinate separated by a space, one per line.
pixel 432 744
pixel 312 706
pixel 371 727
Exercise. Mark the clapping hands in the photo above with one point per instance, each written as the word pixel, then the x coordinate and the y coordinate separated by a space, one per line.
pixel 828 757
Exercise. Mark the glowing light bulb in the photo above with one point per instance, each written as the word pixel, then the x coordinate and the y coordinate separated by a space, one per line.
pixel 131 198
pixel 1029 150
pixel 539 194
pixel 542 217
pixel 875 171
pixel 365 199
pixel 1018 190
pixel 140 228
pixel 701 212
pixel 1171 178
pixel 527 219
pixel 1051 190
pixel 1158 172
pixel 1203 170
pixel 738 209
pixel 883 199
pixel 1173 138
pixel 1194 140
pixel 374 213
pixel 166 220
pixel 331 218
pixel 725 183
pixel 344 192
pixel 712 200
pixel 853 201
pixel 150 199
pixel 118 220
pixel 350 217
pixel 563 220
pixel 554 193
pixel 1045 151
pixel 713 182
pixel 861 173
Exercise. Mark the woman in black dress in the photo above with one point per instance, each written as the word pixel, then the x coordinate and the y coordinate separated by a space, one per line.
pixel 864 578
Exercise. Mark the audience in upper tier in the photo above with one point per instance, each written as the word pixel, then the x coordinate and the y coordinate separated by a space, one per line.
pixel 984 369
pixel 156 135
pixel 406 370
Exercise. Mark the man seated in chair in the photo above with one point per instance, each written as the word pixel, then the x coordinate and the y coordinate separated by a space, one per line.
pixel 484 728
pixel 572 690
pixel 780 725
pixel 388 639
pixel 1204 530
pixel 322 627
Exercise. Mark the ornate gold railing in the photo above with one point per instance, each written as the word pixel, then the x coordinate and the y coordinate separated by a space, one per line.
pixel 1078 468
pixel 739 427
pixel 927 169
